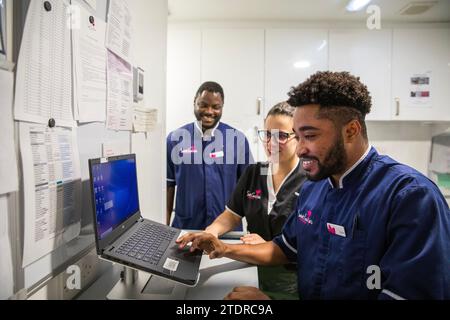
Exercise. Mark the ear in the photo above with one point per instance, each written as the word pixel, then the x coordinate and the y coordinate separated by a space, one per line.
pixel 352 130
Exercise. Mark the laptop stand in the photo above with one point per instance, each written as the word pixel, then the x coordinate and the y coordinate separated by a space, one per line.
pixel 139 285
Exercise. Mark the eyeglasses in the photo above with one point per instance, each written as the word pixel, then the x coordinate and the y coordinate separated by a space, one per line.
pixel 280 136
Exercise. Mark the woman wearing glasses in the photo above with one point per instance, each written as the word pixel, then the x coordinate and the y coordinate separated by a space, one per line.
pixel 267 192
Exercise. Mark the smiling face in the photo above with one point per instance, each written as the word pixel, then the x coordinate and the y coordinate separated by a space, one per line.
pixel 284 152
pixel 320 145
pixel 208 109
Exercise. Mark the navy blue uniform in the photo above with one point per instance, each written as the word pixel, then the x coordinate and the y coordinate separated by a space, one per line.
pixel 384 214
pixel 205 170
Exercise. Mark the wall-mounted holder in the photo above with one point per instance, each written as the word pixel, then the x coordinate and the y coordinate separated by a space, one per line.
pixel 138 84
pixel 139 285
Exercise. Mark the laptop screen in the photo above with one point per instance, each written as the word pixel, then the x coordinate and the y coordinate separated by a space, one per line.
pixel 115 193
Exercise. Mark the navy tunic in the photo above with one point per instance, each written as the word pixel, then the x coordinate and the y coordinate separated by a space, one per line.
pixel 384 217
pixel 205 169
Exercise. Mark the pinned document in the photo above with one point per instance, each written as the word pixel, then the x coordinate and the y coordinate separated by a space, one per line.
pixel 120 94
pixel 52 185
pixel 6 267
pixel 8 160
pixel 118 38
pixel 44 71
pixel 89 60
pixel 144 120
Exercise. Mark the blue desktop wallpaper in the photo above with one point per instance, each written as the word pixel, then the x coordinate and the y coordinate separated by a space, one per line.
pixel 116 193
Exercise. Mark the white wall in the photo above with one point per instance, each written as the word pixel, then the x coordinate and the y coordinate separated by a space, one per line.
pixel 150 51
pixel 407 142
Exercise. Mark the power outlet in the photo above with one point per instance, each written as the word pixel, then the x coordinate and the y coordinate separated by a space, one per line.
pixel 89 270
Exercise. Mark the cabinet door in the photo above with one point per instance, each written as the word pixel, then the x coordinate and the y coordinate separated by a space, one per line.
pixel 183 75
pixel 421 74
pixel 235 59
pixel 366 54
pixel 292 55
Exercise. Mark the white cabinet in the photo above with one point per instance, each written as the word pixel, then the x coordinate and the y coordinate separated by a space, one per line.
pixel 257 68
pixel 235 59
pixel 366 54
pixel 292 55
pixel 183 75
pixel 418 55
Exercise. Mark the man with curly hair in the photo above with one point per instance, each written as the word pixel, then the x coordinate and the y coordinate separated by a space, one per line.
pixel 365 226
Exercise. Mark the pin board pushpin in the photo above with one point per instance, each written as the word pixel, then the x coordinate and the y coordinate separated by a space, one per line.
pixel 51 123
pixel 47 6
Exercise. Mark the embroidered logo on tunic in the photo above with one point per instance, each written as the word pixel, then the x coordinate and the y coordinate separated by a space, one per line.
pixel 305 218
pixel 254 195
pixel 192 149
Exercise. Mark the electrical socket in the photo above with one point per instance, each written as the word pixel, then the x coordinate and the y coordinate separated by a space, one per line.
pixel 89 270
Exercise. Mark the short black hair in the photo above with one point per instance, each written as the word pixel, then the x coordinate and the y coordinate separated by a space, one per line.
pixel 210 86
pixel 342 97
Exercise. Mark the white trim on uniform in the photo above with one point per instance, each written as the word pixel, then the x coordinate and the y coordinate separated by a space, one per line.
pixel 331 183
pixel 272 198
pixel 170 180
pixel 288 245
pixel 288 175
pixel 392 295
pixel 353 167
pixel 226 207
pixel 208 133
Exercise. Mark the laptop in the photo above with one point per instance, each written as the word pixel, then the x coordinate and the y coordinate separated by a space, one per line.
pixel 123 236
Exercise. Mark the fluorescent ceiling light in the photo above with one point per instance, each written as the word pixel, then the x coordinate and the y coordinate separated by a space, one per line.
pixel 302 64
pixel 356 5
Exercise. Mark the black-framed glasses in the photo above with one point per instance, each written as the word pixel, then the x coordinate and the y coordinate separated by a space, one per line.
pixel 280 136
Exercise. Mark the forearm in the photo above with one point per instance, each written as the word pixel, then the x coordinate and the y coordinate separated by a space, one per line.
pixel 169 206
pixel 265 254
pixel 224 223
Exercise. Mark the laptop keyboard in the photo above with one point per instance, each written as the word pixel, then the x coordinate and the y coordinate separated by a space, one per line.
pixel 148 243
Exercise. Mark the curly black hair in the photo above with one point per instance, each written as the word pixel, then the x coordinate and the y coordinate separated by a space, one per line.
pixel 342 97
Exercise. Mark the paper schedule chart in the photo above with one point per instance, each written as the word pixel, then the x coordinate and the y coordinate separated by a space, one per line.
pixel 44 73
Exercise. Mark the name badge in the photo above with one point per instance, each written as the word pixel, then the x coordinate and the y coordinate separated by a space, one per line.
pixel 336 230
pixel 216 155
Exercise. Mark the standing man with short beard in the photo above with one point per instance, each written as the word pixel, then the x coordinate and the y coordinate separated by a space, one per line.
pixel 204 161
pixel 365 226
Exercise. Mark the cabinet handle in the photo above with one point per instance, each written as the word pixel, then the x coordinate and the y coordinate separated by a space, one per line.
pixel 397 107
pixel 255 136
pixel 258 106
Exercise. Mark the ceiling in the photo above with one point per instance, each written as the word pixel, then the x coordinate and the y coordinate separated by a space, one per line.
pixel 300 10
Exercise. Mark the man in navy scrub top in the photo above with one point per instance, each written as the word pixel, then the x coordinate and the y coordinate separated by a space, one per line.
pixel 205 159
pixel 365 226
pixel 267 192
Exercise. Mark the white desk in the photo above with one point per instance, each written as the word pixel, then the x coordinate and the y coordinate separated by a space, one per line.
pixel 218 277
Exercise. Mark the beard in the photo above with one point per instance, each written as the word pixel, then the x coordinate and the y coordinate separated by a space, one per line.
pixel 334 162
